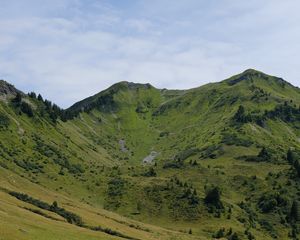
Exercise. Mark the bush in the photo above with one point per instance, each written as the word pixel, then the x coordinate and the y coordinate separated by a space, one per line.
pixel 269 227
pixel 75 169
pixel 4 121
pixel 240 116
pixel 29 166
pixel 56 155
pixel 111 232
pixel 219 234
pixel 233 139
pixel 69 216
pixel 290 157
pixel 186 154
pixel 264 155
pixel 293 159
pixel 234 236
pixel 18 98
pixel 295 211
pixel 173 164
pixel 213 197
pixel 284 112
pixel 212 151
pixel 149 173
pixel 32 95
pixel 26 108
pixel 115 191
pixel 269 202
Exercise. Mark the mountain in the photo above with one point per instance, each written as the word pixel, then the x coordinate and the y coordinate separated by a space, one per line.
pixel 138 162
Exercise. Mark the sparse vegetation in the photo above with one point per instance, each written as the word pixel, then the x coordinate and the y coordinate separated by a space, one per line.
pixel 69 216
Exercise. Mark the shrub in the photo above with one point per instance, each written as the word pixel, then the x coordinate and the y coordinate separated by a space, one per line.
pixel 212 151
pixel 18 98
pixel 32 95
pixel 240 116
pixel 295 211
pixel 269 202
pixel 233 139
pixel 149 173
pixel 29 166
pixel 213 197
pixel 290 156
pixel 293 159
pixel 115 191
pixel 4 121
pixel 269 227
pixel 186 154
pixel 110 232
pixel 75 168
pixel 173 164
pixel 264 155
pixel 26 108
pixel 69 216
pixel 234 236
pixel 219 234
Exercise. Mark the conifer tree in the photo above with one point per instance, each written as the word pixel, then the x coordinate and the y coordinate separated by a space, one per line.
pixel 295 211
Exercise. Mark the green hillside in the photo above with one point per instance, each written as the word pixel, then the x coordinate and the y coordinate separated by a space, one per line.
pixel 136 162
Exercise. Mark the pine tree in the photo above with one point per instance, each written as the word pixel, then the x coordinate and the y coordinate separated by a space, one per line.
pixel 234 236
pixel 290 156
pixel 264 155
pixel 32 94
pixel 240 114
pixel 18 98
pixel 297 166
pixel 295 211
pixel 213 196
pixel 54 204
pixel 26 108
pixel 40 98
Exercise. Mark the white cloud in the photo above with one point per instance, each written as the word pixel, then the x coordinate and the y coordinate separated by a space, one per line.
pixel 69 55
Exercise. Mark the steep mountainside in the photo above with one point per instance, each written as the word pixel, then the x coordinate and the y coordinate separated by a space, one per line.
pixel 216 161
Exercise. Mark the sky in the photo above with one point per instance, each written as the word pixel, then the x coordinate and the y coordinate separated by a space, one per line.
pixel 68 50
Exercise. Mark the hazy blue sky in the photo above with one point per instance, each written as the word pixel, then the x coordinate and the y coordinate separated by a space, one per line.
pixel 70 49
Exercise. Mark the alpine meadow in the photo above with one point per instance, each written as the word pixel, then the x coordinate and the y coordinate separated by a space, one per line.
pixel 135 162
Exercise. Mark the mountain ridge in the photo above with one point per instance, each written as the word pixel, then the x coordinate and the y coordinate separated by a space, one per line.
pixel 123 85
pixel 248 74
pixel 215 161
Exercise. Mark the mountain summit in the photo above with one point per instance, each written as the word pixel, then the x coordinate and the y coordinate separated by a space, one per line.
pixel 251 75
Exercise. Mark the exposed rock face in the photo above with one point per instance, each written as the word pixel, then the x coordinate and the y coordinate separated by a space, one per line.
pixel 150 158
pixel 7 89
pixel 122 144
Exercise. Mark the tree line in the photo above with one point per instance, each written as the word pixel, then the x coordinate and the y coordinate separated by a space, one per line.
pixel 285 112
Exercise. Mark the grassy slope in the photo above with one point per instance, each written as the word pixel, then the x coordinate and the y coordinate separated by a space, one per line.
pixel 196 118
pixel 17 222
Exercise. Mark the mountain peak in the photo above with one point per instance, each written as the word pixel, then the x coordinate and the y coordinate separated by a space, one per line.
pixel 129 85
pixel 252 75
pixel 106 97
pixel 251 71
